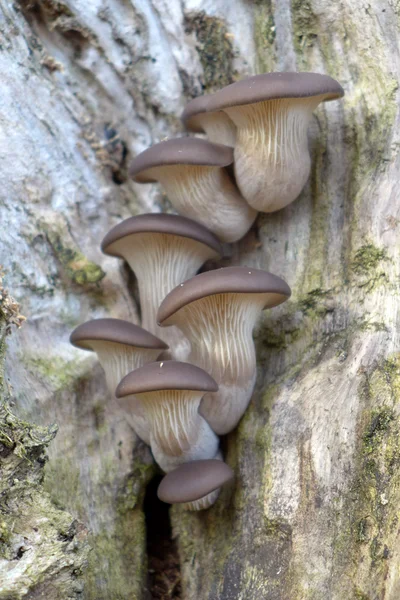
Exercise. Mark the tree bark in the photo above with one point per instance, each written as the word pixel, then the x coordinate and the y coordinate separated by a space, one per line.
pixel 313 511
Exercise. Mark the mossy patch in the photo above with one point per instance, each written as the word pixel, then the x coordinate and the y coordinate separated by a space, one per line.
pixel 76 266
pixel 215 48
pixel 369 515
pixel 55 370
pixel 305 25
pixel 367 258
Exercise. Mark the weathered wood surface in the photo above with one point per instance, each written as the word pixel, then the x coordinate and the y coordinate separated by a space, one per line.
pixel 86 85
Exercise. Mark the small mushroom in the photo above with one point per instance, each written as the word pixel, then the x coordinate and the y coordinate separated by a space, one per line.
pixel 170 393
pixel 162 250
pixel 217 311
pixel 216 125
pixel 272 113
pixel 195 484
pixel 191 171
pixel 121 347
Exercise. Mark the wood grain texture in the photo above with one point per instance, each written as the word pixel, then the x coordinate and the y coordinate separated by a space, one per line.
pixel 313 512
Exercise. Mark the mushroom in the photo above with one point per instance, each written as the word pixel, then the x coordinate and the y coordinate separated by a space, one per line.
pixel 217 311
pixel 271 113
pixel 170 393
pixel 121 347
pixel 195 484
pixel 191 171
pixel 217 125
pixel 162 250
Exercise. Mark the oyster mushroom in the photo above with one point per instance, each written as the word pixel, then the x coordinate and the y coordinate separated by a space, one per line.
pixel 217 311
pixel 191 171
pixel 121 347
pixel 216 125
pixel 170 393
pixel 195 484
pixel 162 250
pixel 271 113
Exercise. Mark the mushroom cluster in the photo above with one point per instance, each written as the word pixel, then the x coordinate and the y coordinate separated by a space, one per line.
pixel 187 375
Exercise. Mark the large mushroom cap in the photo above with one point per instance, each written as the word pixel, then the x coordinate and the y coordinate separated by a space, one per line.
pixel 193 108
pixel 169 375
pixel 179 151
pixel 194 480
pixel 116 331
pixel 271 86
pixel 224 281
pixel 160 223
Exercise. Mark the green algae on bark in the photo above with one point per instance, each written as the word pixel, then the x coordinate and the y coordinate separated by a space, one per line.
pixel 215 49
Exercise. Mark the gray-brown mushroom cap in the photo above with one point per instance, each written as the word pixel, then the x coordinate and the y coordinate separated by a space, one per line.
pixel 179 151
pixel 168 375
pixel 193 108
pixel 223 281
pixel 272 86
pixel 160 223
pixel 117 331
pixel 194 480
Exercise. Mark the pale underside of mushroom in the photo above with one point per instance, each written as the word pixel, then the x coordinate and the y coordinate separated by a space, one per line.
pixel 207 195
pixel 202 503
pixel 178 433
pixel 220 328
pixel 218 127
pixel 161 262
pixel 272 160
pixel 117 361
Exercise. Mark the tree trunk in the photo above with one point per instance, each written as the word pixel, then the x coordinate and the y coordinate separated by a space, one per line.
pixel 313 511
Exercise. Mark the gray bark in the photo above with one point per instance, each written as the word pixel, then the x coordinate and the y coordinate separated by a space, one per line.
pixel 313 512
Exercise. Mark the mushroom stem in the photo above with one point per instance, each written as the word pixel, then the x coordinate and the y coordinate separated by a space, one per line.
pixel 194 192
pixel 272 160
pixel 221 328
pixel 177 432
pixel 219 128
pixel 160 264
pixel 118 360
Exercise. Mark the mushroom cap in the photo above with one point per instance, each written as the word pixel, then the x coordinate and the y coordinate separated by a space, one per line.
pixel 242 280
pixel 116 331
pixel 179 151
pixel 194 480
pixel 192 109
pixel 168 375
pixel 271 86
pixel 160 223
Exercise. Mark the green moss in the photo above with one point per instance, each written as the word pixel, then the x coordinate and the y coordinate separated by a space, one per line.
pixel 313 301
pixel 359 595
pixel 380 421
pixel 215 49
pixel 305 25
pixel 367 521
pixel 75 265
pixel 367 258
pixel 55 370
pixel 118 559
pixel 264 36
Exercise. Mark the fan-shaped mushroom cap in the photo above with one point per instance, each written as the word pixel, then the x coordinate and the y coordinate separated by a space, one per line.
pixel 170 393
pixel 191 171
pixel 162 250
pixel 274 86
pixel 271 113
pixel 195 482
pixel 217 125
pixel 217 311
pixel 115 331
pixel 121 347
